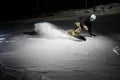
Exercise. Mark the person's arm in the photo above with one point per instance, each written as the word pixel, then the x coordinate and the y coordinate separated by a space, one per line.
pixel 82 23
pixel 90 31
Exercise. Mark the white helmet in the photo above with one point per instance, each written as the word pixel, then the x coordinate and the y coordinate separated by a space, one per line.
pixel 93 17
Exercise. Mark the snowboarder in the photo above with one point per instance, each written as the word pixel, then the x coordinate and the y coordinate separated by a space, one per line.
pixel 83 23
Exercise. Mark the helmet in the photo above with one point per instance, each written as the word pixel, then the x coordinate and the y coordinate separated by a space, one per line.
pixel 93 17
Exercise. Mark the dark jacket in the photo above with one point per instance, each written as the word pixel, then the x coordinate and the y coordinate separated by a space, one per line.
pixel 85 20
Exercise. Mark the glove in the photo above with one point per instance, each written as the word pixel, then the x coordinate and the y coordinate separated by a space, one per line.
pixel 92 35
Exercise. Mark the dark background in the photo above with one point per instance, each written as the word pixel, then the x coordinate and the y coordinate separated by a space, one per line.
pixel 15 9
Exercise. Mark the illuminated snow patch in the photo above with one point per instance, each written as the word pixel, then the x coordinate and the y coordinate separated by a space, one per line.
pixel 53 54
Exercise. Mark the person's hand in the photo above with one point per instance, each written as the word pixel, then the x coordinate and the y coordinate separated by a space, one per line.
pixel 92 35
pixel 85 27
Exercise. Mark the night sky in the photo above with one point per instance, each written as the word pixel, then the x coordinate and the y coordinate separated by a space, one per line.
pixel 18 8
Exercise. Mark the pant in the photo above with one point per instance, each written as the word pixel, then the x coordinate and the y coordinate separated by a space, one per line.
pixel 77 28
pixel 72 32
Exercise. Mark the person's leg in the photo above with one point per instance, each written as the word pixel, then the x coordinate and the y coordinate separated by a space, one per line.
pixel 78 31
pixel 70 32
pixel 75 34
